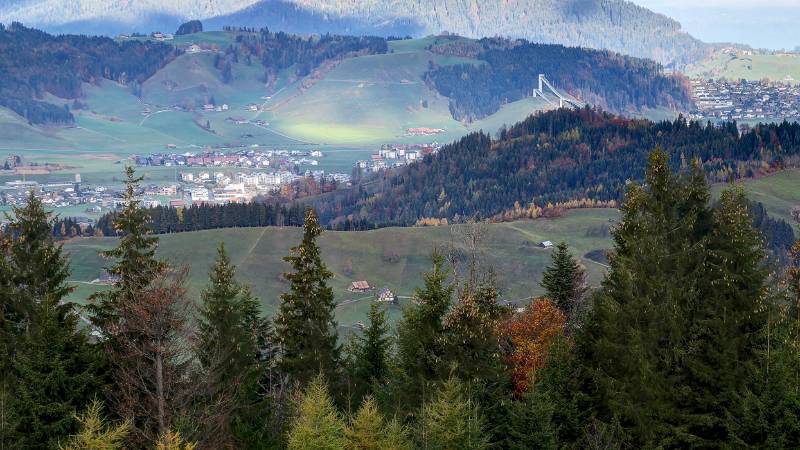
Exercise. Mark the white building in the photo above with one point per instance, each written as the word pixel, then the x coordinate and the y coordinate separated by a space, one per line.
pixel 199 194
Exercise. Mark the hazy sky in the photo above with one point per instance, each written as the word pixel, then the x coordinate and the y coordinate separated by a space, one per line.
pixel 760 23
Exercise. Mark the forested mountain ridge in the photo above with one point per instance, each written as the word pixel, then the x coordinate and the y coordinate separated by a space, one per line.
pixel 616 25
pixel 602 78
pixel 584 157
pixel 34 63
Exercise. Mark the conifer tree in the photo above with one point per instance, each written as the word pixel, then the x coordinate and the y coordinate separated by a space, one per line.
pixel 451 421
pixel 229 328
pixel 369 430
pixel 305 326
pixel 318 425
pixel 172 440
pixel 726 330
pixel 135 263
pixel 469 339
pixel 564 280
pixel 95 433
pixel 420 352
pixel 371 353
pixel 50 371
pixel 638 328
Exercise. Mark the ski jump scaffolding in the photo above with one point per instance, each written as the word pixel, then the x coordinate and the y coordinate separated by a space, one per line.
pixel 562 100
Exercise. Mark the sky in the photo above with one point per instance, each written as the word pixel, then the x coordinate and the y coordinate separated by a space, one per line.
pixel 773 24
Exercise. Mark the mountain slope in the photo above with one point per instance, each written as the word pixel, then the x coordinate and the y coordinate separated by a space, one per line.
pixel 616 25
pixel 576 158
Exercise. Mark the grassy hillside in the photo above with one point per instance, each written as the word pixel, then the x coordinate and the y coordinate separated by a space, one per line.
pixel 510 248
pixel 376 98
pixel 749 67
pixel 779 193
pixel 349 109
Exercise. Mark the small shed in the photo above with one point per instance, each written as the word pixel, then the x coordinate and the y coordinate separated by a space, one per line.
pixel 359 286
pixel 546 244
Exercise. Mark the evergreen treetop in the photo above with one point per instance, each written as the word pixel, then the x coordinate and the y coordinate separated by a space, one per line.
pixel 135 262
pixel 305 326
pixel 564 280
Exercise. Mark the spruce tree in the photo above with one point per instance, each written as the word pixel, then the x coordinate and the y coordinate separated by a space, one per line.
pixel 135 263
pixel 419 343
pixel 318 426
pixel 630 351
pixel 452 421
pixel 227 350
pixel 305 326
pixel 564 280
pixel 723 363
pixel 369 431
pixel 52 371
pixel 371 353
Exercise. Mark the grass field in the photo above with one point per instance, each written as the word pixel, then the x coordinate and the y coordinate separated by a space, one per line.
pixel 749 67
pixel 509 248
pixel 779 193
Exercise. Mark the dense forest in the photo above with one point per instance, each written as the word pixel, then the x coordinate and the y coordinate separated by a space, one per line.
pixel 689 342
pixel 164 219
pixel 601 78
pixel 279 50
pixel 615 25
pixel 564 156
pixel 34 63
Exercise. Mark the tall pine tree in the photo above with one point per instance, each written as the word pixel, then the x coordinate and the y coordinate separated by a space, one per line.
pixel 305 327
pixel 135 263
pixel 229 328
pixel 638 331
pixel 52 370
pixel 420 356
pixel 371 354
pixel 564 280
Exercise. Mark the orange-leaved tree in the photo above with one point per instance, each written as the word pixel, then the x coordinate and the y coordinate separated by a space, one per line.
pixel 526 337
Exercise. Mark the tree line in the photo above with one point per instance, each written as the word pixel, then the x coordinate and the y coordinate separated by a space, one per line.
pixel 688 342
pixel 279 50
pixel 555 157
pixel 511 72
pixel 36 63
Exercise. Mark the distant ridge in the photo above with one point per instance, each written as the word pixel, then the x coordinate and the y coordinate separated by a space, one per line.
pixel 617 25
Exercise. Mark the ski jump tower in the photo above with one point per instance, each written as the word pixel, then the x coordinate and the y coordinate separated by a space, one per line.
pixel 562 100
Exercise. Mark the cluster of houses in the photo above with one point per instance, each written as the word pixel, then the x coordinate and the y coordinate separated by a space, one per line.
pixel 95 199
pixel 383 295
pixel 745 100
pixel 250 157
pixel 395 155
pixel 423 131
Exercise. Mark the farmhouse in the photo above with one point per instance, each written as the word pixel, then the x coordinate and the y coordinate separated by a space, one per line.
pixel 386 296
pixel 359 286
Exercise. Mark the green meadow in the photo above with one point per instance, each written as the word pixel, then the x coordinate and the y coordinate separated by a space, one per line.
pixel 749 67
pixel 390 257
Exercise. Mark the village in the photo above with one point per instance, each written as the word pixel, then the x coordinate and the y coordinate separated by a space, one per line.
pixel 745 100
pixel 395 155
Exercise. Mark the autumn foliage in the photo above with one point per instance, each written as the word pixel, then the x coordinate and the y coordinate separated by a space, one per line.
pixel 526 338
